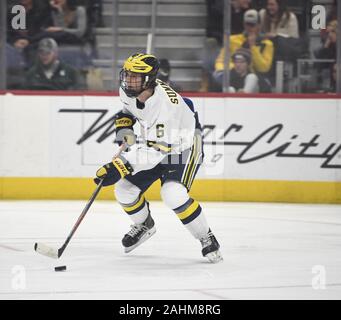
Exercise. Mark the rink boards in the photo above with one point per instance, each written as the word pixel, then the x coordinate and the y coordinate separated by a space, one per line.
pixel 281 149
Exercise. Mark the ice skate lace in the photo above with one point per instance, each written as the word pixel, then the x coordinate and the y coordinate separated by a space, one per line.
pixel 207 240
pixel 135 229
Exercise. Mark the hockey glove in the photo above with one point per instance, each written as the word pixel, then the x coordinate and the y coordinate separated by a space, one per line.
pixel 124 129
pixel 113 171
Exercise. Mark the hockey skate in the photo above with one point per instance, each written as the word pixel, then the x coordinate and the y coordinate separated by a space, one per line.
pixel 210 248
pixel 138 234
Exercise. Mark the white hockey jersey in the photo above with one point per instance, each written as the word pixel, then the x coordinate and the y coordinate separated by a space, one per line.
pixel 167 126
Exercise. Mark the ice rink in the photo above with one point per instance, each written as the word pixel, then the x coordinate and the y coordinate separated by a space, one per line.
pixel 271 251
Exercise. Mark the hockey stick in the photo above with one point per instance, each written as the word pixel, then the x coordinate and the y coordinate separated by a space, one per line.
pixel 56 253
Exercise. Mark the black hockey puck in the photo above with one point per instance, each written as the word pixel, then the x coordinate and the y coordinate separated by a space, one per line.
pixel 61 268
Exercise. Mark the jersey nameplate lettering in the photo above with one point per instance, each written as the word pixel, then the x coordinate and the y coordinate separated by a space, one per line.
pixel 173 97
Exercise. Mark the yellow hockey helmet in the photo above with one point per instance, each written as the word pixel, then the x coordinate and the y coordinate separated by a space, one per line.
pixel 139 73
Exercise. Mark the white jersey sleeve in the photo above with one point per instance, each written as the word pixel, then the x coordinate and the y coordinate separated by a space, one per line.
pixel 182 138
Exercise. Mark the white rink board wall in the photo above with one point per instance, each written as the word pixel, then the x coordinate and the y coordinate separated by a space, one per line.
pixel 258 139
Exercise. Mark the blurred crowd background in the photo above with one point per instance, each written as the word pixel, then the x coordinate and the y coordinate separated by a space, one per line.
pixel 81 44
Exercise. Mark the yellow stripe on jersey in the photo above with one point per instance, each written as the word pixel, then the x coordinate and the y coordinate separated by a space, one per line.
pixel 162 147
pixel 190 165
pixel 195 162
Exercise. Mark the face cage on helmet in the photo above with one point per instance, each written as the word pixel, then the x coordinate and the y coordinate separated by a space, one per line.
pixel 147 81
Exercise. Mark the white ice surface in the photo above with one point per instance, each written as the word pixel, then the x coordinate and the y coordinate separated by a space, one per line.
pixel 269 252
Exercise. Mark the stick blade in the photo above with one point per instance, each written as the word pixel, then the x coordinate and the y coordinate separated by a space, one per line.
pixel 46 250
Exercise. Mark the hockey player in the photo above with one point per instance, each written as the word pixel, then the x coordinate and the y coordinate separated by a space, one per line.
pixel 172 152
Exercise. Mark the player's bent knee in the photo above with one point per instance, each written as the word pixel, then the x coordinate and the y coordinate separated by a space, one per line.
pixel 126 192
pixel 174 194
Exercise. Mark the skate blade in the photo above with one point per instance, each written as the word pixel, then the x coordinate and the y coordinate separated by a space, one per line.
pixel 143 239
pixel 215 257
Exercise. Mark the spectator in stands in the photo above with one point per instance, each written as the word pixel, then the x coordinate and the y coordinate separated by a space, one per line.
pixel 15 67
pixel 333 78
pixel 242 80
pixel 332 13
pixel 215 17
pixel 94 10
pixel 324 86
pixel 276 20
pixel 239 7
pixel 215 20
pixel 329 40
pixel 37 18
pixel 69 22
pixel 49 73
pixel 164 74
pixel 262 49
pixel 212 43
pixel 214 36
